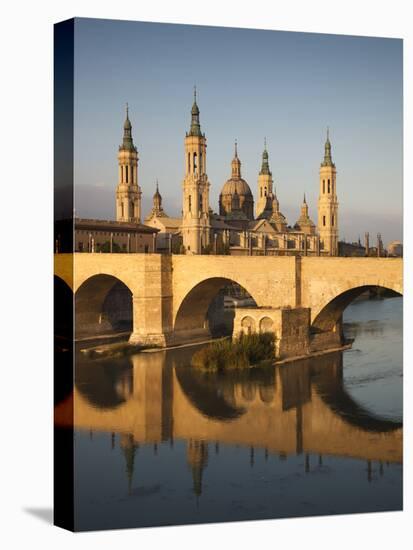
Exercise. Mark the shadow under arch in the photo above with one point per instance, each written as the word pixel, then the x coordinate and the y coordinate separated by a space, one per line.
pixel 327 377
pixel 63 301
pixel 63 308
pixel 332 312
pixel 194 310
pixel 103 305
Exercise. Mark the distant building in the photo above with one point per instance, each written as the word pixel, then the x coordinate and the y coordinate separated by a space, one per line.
pixel 111 236
pixel 395 249
pixel 351 249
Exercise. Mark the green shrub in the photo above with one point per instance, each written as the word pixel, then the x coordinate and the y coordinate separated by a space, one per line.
pixel 239 353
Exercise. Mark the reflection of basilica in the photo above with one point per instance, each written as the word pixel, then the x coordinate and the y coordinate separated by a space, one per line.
pixel 302 408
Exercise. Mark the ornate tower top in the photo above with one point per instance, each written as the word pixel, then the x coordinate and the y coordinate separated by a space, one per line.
pixel 265 168
pixel 304 209
pixel 236 164
pixel 157 198
pixel 127 143
pixel 195 129
pixel 327 151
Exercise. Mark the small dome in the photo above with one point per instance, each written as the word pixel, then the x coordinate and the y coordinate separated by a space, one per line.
pixel 238 185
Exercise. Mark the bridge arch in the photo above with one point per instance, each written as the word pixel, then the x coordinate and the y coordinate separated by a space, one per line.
pixel 330 314
pixel 103 305
pixel 192 314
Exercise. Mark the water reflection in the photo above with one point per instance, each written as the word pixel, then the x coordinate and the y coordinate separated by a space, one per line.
pixel 154 407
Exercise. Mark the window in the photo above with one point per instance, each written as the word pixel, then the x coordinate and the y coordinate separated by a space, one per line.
pixel 189 162
pixel 121 209
pixel 200 202
pixel 131 209
pixel 324 186
pixel 195 166
pixel 328 190
pixel 261 191
pixel 324 220
pixel 189 203
pixel 265 191
pixel 332 220
pixel 146 248
pixel 127 173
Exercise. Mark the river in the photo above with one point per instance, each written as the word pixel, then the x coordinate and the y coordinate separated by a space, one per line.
pixel 158 443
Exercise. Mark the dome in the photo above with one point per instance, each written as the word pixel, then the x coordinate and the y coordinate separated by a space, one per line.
pixel 238 185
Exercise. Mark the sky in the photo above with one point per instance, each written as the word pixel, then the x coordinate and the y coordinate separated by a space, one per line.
pixel 251 84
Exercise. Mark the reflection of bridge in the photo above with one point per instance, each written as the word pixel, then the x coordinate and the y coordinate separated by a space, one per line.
pixel 300 408
pixel 171 294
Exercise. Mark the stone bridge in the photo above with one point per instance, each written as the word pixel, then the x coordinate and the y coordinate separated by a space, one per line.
pixel 170 295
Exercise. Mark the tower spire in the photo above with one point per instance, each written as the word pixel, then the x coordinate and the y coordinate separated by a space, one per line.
pixel 195 129
pixel 236 163
pixel 127 143
pixel 265 167
pixel 328 161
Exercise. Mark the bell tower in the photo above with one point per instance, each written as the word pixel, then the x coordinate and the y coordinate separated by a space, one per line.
pixel 327 204
pixel 265 182
pixel 196 226
pixel 128 192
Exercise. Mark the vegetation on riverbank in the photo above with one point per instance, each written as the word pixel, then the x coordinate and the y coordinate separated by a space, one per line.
pixel 239 353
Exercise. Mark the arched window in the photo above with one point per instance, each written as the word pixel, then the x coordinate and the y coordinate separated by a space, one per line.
pixel 200 202
pixel 324 186
pixel 332 220
pixel 324 220
pixel 195 165
pixel 265 191
pixel 121 209
pixel 328 191
pixel 127 174
pixel 132 213
pixel 189 203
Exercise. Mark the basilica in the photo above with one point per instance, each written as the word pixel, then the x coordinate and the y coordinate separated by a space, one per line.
pixel 239 227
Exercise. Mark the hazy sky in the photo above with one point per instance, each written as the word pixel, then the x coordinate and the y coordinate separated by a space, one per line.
pixel 286 86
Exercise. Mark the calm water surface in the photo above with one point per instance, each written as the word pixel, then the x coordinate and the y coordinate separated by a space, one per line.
pixel 158 443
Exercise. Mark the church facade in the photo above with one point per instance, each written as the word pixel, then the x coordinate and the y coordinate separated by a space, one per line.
pixel 239 227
